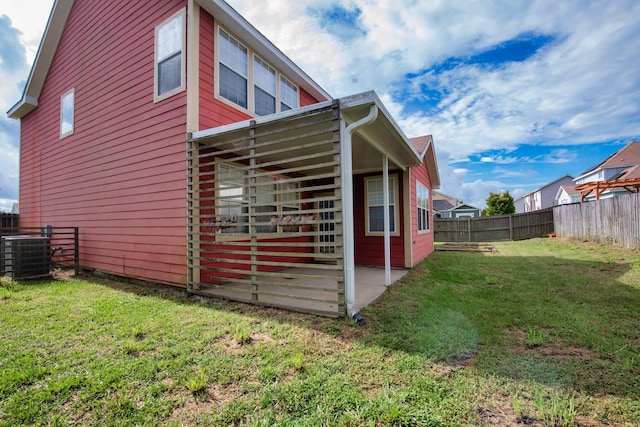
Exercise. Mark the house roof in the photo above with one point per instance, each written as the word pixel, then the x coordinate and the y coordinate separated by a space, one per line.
pixel 569 189
pixel 221 11
pixel 44 57
pixel 424 146
pixel 464 207
pixel 629 155
pixel 442 205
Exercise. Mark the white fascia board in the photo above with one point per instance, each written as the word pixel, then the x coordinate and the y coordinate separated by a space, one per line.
pixel 44 57
pixel 238 25
pixel 258 120
pixel 370 97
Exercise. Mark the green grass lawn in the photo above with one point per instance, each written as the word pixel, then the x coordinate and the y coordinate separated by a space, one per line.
pixel 543 332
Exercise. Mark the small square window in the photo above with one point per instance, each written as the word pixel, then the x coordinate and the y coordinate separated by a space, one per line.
pixel 67 113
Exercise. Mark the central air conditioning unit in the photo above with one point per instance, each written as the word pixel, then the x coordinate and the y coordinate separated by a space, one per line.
pixel 25 256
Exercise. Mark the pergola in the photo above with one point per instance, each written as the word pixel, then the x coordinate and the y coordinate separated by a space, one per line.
pixel 632 185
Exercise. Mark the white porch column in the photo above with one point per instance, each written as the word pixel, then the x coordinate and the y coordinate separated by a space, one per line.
pixel 347 206
pixel 387 231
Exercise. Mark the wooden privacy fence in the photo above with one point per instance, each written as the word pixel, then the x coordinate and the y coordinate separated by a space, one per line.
pixel 613 221
pixel 495 228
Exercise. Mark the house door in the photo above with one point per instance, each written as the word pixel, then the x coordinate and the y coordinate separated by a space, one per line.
pixel 325 246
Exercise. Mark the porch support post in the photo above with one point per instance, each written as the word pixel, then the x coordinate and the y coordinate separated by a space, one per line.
pixel 387 231
pixel 347 206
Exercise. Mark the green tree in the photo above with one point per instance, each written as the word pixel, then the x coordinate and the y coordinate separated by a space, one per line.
pixel 500 204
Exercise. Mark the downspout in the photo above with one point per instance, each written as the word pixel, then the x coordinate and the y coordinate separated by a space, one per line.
pixel 347 205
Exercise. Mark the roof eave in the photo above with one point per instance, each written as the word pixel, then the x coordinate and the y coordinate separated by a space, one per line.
pixel 44 57
pixel 371 98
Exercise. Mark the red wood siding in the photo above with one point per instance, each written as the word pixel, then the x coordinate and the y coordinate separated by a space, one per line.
pixel 422 242
pixel 369 250
pixel 121 176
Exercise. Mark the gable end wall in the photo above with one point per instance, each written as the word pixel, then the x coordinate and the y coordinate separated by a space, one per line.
pixel 121 176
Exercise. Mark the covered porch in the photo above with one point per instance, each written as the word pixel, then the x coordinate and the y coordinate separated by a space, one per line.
pixel 271 206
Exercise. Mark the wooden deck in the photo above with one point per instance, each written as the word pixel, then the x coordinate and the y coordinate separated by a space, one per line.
pixel 317 297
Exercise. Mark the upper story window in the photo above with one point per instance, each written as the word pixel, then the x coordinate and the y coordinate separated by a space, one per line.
pixel 288 95
pixel 169 61
pixel 67 107
pixel 375 205
pixel 422 203
pixel 264 79
pixel 234 69
pixel 250 82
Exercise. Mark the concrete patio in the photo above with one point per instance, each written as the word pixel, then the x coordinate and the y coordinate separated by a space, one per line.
pixel 302 294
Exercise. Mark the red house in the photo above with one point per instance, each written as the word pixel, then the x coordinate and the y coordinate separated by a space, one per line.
pixel 190 151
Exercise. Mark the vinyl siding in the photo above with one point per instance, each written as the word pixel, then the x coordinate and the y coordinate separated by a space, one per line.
pixel 422 243
pixel 121 176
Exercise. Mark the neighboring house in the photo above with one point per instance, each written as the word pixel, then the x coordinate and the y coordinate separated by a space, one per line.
pixel 441 208
pixel 284 189
pixel 542 198
pixel 567 194
pixel 618 174
pixel 445 206
pixel 464 211
pixel 438 195
pixel 461 211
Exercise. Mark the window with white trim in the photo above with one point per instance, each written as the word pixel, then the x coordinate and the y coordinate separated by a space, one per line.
pixel 264 87
pixel 67 108
pixel 251 84
pixel 422 205
pixel 288 95
pixel 233 74
pixel 169 60
pixel 375 204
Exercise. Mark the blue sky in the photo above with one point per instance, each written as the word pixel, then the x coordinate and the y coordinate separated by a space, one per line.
pixel 515 93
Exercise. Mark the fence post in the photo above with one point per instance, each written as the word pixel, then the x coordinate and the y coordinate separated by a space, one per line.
pixel 510 227
pixel 76 257
pixel 469 227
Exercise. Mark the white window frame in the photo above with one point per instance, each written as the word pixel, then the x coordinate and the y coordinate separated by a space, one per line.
pixel 272 91
pixel 393 202
pixel 422 199
pixel 181 17
pixel 67 113
pixel 286 83
pixel 233 67
pixel 281 79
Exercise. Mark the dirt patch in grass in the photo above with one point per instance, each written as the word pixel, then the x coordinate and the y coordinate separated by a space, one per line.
pixel 207 402
pixel 518 341
pixel 499 412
